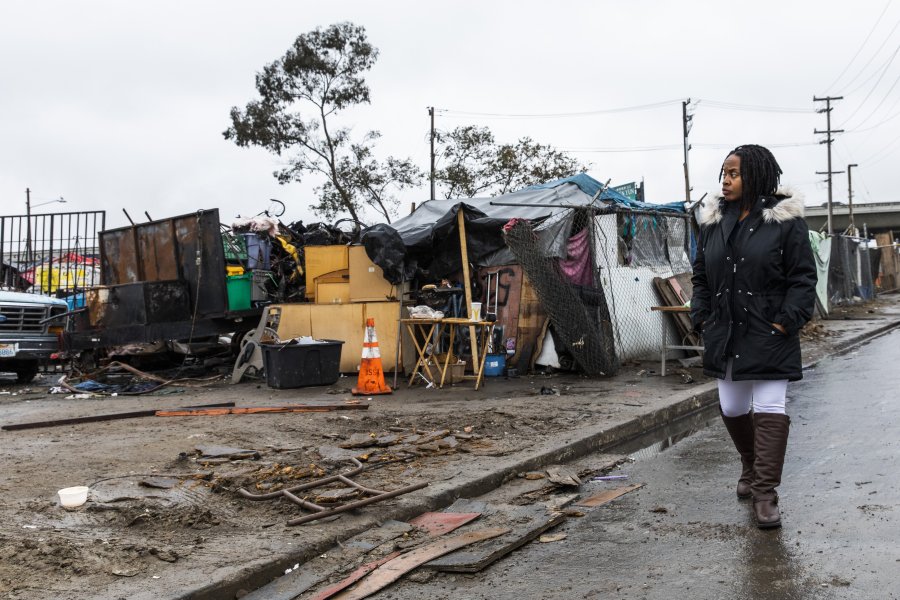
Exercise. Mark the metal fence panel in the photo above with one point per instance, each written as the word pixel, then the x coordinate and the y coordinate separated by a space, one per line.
pixel 52 254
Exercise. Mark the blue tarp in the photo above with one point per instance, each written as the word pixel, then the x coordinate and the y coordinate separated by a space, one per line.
pixel 591 186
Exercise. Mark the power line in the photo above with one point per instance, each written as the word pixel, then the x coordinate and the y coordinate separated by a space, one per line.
pixel 658 148
pixel 462 113
pixel 870 127
pixel 753 107
pixel 863 45
pixel 866 66
pixel 883 72
pixel 715 104
pixel 883 98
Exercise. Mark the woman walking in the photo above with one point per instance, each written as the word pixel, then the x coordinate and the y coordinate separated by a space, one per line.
pixel 754 288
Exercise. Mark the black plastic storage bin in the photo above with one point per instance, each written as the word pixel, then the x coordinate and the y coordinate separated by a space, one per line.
pixel 301 365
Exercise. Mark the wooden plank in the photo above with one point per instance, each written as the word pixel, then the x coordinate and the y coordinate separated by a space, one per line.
pixel 682 319
pixel 562 475
pixel 467 284
pixel 525 523
pixel 353 577
pixel 254 410
pixel 439 523
pixel 393 570
pixel 325 566
pixel 607 495
pixel 532 325
pixel 104 417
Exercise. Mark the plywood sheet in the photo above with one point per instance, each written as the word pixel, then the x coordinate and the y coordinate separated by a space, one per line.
pixel 332 292
pixel 439 523
pixel 319 569
pixel 367 282
pixel 525 524
pixel 532 320
pixel 341 322
pixel 294 320
pixel 391 571
pixel 607 495
pixel 320 260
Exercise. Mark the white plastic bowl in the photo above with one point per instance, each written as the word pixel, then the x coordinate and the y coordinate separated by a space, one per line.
pixel 73 496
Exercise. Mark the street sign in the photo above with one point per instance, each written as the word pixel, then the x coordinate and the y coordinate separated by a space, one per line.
pixel 629 190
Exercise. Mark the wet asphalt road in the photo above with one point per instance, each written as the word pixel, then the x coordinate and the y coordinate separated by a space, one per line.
pixel 685 535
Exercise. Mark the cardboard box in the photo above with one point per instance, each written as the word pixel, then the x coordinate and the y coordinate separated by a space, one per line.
pixel 367 282
pixel 321 260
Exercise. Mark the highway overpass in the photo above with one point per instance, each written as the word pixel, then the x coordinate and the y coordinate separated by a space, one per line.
pixel 877 216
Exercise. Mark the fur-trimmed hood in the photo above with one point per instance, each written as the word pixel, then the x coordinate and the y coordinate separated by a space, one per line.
pixel 786 204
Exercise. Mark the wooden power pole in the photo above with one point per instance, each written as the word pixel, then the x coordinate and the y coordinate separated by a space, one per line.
pixel 686 129
pixel 431 113
pixel 828 140
pixel 850 197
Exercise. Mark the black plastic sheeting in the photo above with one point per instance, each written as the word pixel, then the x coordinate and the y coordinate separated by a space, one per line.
pixel 433 250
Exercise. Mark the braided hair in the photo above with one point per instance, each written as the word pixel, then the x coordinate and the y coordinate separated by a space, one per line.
pixel 760 173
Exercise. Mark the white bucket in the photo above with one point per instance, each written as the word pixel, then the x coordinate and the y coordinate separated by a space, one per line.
pixel 73 496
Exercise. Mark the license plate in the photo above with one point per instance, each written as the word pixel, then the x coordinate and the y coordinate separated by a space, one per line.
pixel 8 350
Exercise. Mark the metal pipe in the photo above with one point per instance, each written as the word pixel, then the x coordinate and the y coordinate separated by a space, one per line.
pixel 298 488
pixel 302 502
pixel 361 487
pixel 357 504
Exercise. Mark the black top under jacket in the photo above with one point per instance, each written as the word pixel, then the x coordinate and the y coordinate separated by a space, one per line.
pixel 748 276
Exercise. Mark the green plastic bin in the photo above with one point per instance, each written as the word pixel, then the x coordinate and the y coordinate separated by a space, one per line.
pixel 239 289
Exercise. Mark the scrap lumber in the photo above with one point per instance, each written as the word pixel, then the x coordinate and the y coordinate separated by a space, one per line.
pixel 254 410
pixel 525 524
pixel 106 417
pixel 565 476
pixel 672 291
pixel 353 577
pixel 607 495
pixel 393 570
pixel 336 560
pixel 439 523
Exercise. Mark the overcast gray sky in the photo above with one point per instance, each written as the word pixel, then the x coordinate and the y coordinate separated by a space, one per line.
pixel 117 105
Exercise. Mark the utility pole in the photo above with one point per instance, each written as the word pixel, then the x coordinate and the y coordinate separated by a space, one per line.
pixel 686 129
pixel 27 227
pixel 850 196
pixel 828 140
pixel 431 113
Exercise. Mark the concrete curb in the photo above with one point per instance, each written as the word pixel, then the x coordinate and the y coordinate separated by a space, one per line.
pixel 578 443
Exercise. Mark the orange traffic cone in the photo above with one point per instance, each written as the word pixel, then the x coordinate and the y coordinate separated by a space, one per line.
pixel 371 375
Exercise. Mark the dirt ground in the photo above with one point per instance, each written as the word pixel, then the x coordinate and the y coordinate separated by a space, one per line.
pixel 162 517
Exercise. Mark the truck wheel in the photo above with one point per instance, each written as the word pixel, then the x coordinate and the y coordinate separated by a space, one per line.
pixel 26 372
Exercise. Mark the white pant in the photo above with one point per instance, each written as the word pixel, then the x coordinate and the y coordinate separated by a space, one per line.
pixel 737 397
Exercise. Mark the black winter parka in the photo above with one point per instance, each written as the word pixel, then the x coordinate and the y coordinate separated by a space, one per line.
pixel 766 274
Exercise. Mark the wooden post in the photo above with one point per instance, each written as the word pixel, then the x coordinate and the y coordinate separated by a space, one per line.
pixel 464 252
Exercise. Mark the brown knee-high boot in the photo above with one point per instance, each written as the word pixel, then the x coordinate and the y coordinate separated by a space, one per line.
pixel 741 431
pixel 770 440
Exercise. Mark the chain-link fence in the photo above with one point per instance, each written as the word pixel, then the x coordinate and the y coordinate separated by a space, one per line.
pixel 597 274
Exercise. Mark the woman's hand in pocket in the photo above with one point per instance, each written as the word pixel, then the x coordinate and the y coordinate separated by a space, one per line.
pixel 780 328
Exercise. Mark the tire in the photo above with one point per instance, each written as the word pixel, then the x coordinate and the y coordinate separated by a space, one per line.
pixel 26 372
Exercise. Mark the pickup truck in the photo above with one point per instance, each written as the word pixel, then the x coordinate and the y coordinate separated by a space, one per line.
pixel 28 337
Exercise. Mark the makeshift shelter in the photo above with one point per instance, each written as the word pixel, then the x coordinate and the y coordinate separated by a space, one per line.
pixel 590 256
